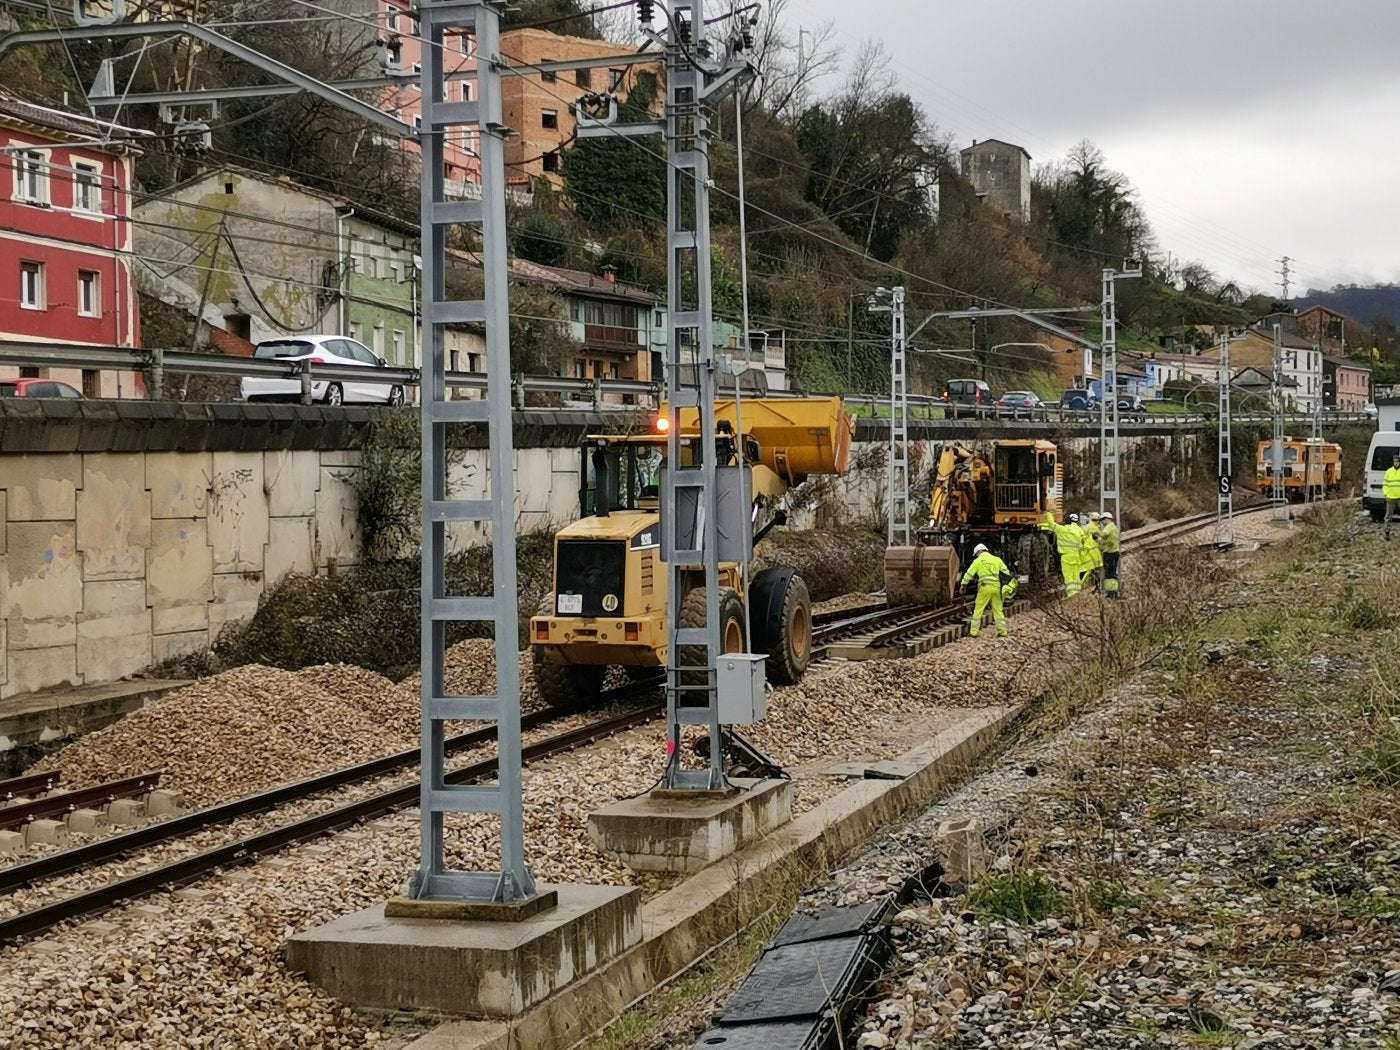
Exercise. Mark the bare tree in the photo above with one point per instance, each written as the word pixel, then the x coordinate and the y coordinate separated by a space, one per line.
pixel 790 59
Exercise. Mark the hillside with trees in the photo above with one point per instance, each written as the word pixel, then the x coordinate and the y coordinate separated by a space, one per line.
pixel 850 184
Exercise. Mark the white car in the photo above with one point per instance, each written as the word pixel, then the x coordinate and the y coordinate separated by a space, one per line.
pixel 321 349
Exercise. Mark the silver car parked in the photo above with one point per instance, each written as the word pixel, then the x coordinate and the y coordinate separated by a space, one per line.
pixel 320 349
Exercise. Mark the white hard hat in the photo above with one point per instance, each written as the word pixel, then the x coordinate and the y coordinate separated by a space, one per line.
pixel 981 548
pixel 1107 515
pixel 1074 518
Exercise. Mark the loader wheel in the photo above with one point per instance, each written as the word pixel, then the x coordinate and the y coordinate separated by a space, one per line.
pixel 566 685
pixel 731 618
pixel 781 610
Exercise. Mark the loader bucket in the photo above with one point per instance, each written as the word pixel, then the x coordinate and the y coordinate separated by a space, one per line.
pixel 920 575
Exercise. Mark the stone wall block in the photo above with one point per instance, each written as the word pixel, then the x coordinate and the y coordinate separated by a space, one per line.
pixel 179 484
pixel 44 584
pixel 290 480
pixel 238 515
pixel 113 516
pixel 41 486
pixel 179 575
pixel 337 518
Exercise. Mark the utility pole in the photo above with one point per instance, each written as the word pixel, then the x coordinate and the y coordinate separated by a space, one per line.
pixel 699 72
pixel 898 532
pixel 1284 275
pixel 1110 470
pixel 1316 480
pixel 1278 498
pixel 1225 498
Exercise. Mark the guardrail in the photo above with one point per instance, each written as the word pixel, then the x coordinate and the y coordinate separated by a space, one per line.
pixel 158 363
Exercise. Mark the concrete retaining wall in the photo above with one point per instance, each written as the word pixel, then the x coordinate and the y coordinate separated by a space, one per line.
pixel 132 532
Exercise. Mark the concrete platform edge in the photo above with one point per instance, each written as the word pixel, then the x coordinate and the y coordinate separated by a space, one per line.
pixel 56 714
pixel 682 924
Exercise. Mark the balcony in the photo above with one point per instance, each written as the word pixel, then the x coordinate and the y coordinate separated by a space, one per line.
pixel 610 337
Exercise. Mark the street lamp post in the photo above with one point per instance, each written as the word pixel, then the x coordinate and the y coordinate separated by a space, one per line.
pixel 897 530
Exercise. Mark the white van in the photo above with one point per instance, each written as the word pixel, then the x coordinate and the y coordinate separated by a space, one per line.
pixel 1385 446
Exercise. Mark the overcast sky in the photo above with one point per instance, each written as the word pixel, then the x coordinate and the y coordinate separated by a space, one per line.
pixel 1252 129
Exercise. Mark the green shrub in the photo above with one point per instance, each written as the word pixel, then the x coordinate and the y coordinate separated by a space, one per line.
pixel 1024 897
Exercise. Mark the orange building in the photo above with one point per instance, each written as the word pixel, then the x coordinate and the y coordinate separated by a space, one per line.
pixel 538 107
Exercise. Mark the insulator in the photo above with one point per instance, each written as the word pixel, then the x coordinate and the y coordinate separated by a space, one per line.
pixel 646 10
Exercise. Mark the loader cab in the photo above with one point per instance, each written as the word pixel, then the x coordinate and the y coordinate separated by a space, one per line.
pixel 618 474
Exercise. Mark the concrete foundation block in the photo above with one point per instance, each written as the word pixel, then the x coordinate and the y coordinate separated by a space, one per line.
pixel 124 812
pixel 163 803
pixel 961 850
pixel 11 842
pixel 668 831
pixel 87 822
pixel 46 833
pixel 479 969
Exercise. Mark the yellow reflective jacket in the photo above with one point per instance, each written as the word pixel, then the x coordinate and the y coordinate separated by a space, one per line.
pixel 986 568
pixel 1068 538
pixel 1392 483
pixel 1109 540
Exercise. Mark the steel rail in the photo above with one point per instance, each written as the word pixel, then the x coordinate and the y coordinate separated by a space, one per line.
pixel 943 616
pixel 188 869
pixel 114 847
pixel 32 809
pixel 27 785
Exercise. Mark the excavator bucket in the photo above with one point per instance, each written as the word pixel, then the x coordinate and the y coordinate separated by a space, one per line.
pixel 920 575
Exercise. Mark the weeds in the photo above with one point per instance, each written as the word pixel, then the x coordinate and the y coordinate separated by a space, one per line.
pixel 1359 610
pixel 1104 895
pixel 1023 897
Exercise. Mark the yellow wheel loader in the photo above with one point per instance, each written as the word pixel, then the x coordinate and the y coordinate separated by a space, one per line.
pixel 997 498
pixel 608 607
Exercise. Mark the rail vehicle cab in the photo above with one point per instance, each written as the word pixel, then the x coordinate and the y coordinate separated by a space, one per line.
pixel 1306 466
pixel 1028 482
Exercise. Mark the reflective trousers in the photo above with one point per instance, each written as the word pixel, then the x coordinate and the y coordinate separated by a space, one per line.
pixel 989 592
pixel 1069 568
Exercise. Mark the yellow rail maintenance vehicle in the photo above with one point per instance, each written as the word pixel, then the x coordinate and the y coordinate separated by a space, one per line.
pixel 609 602
pixel 1308 466
pixel 998 497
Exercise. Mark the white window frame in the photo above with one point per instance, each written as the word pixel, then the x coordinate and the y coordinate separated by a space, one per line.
pixel 89 293
pixel 391 17
pixel 31 166
pixel 466 91
pixel 90 187
pixel 468 43
pixel 400 341
pixel 31 286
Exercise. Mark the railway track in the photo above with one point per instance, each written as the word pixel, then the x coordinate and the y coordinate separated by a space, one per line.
pixel 860 632
pixel 187 869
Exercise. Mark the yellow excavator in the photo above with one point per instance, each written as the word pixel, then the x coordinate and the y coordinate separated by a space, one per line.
pixel 997 498
pixel 608 607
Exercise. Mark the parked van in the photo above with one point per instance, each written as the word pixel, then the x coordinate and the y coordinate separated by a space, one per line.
pixel 1385 446
pixel 966 396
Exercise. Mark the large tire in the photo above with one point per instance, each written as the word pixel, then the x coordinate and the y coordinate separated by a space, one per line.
pixel 731 617
pixel 567 685
pixel 564 685
pixel 1377 513
pixel 780 610
pixel 1036 558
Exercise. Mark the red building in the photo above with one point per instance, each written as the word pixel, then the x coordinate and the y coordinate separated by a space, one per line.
pixel 65 237
pixel 461 166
